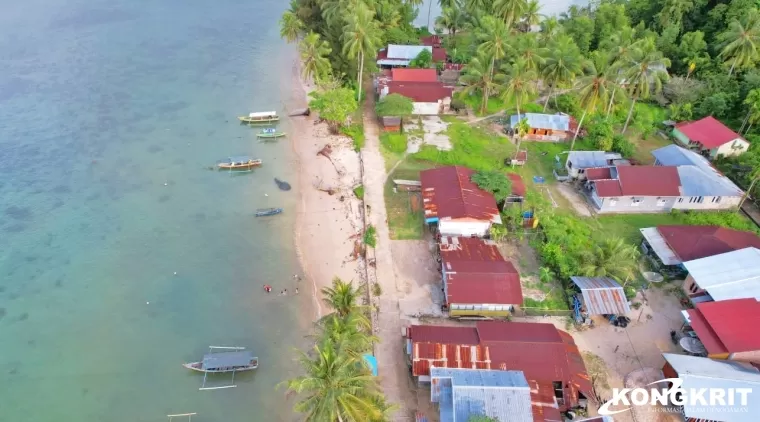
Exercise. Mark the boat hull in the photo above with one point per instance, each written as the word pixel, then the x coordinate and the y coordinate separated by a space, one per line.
pixel 253 121
pixel 246 166
pixel 270 136
pixel 198 367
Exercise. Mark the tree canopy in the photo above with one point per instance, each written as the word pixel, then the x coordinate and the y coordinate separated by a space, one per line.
pixel 334 106
pixel 394 105
pixel 495 182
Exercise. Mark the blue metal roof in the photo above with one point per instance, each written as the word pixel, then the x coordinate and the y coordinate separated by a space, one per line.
pixel 703 373
pixel 698 176
pixel 587 159
pixel 462 393
pixel 542 121
pixel 673 155
pixel 602 295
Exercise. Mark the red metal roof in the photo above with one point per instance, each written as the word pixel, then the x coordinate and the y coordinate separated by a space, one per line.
pixel 607 188
pixel 598 173
pixel 420 92
pixel 649 180
pixel 443 334
pixel 448 192
pixel 541 351
pixel 439 54
pixel 400 74
pixel 694 242
pixel 431 40
pixel 728 326
pixel 708 132
pixel 518 186
pixel 472 255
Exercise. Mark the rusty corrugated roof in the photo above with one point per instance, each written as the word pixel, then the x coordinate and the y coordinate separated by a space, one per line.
pixel 518 186
pixel 602 295
pixel 448 192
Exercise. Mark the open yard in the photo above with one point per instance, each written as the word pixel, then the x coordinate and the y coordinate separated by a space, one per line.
pixel 405 215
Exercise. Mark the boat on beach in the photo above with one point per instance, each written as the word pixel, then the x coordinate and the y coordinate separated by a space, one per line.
pixel 270 133
pixel 262 117
pixel 242 162
pixel 264 212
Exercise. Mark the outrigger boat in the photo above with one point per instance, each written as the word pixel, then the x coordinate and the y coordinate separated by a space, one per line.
pixel 263 117
pixel 270 133
pixel 234 360
pixel 238 163
pixel 264 212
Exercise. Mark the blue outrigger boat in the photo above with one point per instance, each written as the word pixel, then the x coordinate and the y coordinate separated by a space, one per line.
pixel 265 212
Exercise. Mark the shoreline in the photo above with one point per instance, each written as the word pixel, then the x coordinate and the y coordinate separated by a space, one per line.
pixel 327 226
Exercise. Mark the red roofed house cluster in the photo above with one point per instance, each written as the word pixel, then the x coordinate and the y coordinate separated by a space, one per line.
pixel 548 357
pixel 710 137
pixel 728 329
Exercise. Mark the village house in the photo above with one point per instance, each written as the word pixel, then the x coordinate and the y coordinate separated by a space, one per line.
pixel 428 98
pixel 401 55
pixel 477 280
pixel 455 204
pixel 464 393
pixel 698 373
pixel 730 275
pixel 710 138
pixel 544 127
pixel 659 189
pixel 579 161
pixel 728 329
pixel 671 246
pixel 548 357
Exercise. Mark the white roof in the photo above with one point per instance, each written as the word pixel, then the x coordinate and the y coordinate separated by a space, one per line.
pixel 393 62
pixel 263 114
pixel 660 246
pixel 703 373
pixel 406 52
pixel 730 275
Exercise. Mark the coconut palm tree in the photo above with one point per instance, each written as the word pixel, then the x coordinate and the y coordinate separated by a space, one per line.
pixel 342 297
pixel 495 40
pixel 477 77
pixel 563 64
pixel 519 87
pixel 473 6
pixel 550 29
pixel 529 49
pixel 673 11
pixel 740 41
pixel 595 87
pixel 454 4
pixel 350 334
pixel 314 51
pixel 621 45
pixel 452 19
pixel 645 74
pixel 752 101
pixel 388 15
pixel 290 26
pixel 361 35
pixel 611 257
pixel 509 10
pixel 335 387
pixel 531 14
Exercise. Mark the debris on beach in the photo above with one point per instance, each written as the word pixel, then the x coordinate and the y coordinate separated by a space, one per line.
pixel 318 185
pixel 283 185
pixel 326 151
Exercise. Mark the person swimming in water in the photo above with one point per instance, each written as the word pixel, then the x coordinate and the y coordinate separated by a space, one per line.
pixel 267 288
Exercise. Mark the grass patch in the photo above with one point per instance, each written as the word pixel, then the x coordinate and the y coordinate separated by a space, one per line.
pixel 473 147
pixel 359 191
pixel 370 236
pixel 355 132
pixel 403 222
pixel 555 300
pixel 393 142
pixel 495 104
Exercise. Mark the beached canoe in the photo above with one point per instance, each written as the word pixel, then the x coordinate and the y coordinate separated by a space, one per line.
pixel 273 135
pixel 264 212
pixel 238 163
pixel 264 117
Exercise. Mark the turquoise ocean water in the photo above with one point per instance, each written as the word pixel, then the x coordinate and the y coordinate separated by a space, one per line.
pixel 110 114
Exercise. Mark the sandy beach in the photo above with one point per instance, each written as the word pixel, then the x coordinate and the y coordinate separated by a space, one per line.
pixel 327 226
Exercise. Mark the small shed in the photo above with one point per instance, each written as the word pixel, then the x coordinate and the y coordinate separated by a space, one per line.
pixel 602 296
pixel 520 158
pixel 407 185
pixel 391 123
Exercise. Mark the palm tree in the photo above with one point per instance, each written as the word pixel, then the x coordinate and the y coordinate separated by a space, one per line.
pixel 474 6
pixel 336 387
pixel 673 11
pixel 451 19
pixel 611 257
pixel 477 77
pixel 754 175
pixel 290 26
pixel 532 14
pixel 387 15
pixel 550 28
pixel 509 10
pixel 495 37
pixel 341 297
pixel 350 334
pixel 529 49
pixel 519 87
pixel 645 74
pixel 740 41
pixel 454 4
pixel 622 45
pixel 314 52
pixel 594 87
pixel 753 110
pixel 562 65
pixel 361 35
pixel 521 130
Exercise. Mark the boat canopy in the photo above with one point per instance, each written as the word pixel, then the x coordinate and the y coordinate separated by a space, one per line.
pixel 226 360
pixel 240 159
pixel 268 130
pixel 263 114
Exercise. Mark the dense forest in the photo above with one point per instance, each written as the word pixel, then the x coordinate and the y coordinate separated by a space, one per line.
pixel 620 68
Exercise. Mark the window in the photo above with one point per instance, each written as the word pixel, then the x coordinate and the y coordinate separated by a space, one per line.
pixel 635 202
pixel 716 200
pixel 680 199
pixel 693 288
pixel 581 171
pixel 660 202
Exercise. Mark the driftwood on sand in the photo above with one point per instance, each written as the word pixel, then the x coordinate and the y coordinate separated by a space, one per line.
pixel 320 186
pixel 326 152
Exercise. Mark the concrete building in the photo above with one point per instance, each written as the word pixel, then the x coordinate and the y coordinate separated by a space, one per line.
pixel 710 138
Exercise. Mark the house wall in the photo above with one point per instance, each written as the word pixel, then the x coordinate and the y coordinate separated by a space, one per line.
pixel 574 172
pixel 693 291
pixel 627 204
pixel 707 202
pixel 426 109
pixel 449 227
pixel 736 147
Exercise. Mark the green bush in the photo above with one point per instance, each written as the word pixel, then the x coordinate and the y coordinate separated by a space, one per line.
pixel 531 108
pixel 355 132
pixel 359 191
pixel 394 105
pixel 567 103
pixel 394 142
pixel 370 236
pixel 376 289
pixel 600 133
pixel 623 146
pixel 733 220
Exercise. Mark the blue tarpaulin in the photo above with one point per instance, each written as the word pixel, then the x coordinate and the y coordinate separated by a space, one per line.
pixel 538 179
pixel 371 363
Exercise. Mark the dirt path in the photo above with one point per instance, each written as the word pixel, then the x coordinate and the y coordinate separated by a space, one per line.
pixel 394 378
